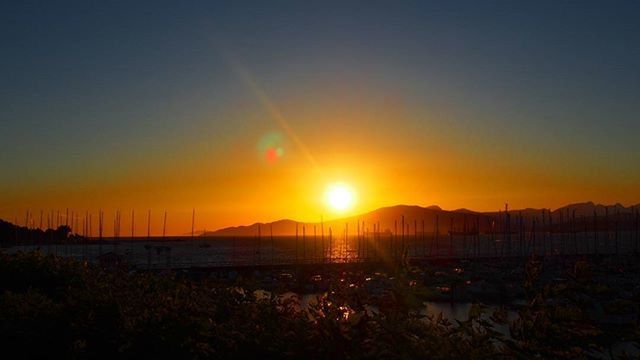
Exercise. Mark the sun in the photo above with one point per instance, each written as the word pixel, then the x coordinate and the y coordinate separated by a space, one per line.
pixel 340 196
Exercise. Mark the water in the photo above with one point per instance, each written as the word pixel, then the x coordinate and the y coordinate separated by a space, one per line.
pixel 451 311
pixel 181 252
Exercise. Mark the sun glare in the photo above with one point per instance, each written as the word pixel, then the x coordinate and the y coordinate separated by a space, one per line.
pixel 339 196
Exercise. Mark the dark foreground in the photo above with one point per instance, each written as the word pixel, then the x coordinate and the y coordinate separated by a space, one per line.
pixel 52 307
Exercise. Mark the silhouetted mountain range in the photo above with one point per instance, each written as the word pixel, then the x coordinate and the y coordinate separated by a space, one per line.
pixel 417 218
pixel 574 217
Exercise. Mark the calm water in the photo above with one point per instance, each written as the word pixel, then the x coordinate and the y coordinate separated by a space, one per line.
pixel 179 252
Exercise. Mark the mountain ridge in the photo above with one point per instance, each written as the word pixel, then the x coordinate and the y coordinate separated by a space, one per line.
pixel 423 218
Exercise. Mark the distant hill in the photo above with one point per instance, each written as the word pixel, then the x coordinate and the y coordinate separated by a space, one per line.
pixel 278 228
pixel 384 220
pixel 389 219
pixel 588 209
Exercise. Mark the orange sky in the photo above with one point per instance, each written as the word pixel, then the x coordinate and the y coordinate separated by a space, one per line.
pixel 228 181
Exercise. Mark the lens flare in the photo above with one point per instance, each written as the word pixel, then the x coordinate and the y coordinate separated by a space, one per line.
pixel 270 147
pixel 273 154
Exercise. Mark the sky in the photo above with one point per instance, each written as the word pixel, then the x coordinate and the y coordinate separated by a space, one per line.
pixel 246 111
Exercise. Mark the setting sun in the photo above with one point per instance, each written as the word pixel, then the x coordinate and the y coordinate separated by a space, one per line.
pixel 339 196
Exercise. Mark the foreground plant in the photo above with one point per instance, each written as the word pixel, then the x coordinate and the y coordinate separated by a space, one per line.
pixel 56 307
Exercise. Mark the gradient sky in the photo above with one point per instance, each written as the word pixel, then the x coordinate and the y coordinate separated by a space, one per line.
pixel 167 106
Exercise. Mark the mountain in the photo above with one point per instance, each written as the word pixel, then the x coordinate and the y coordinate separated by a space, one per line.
pixel 389 220
pixel 385 220
pixel 279 228
pixel 589 208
